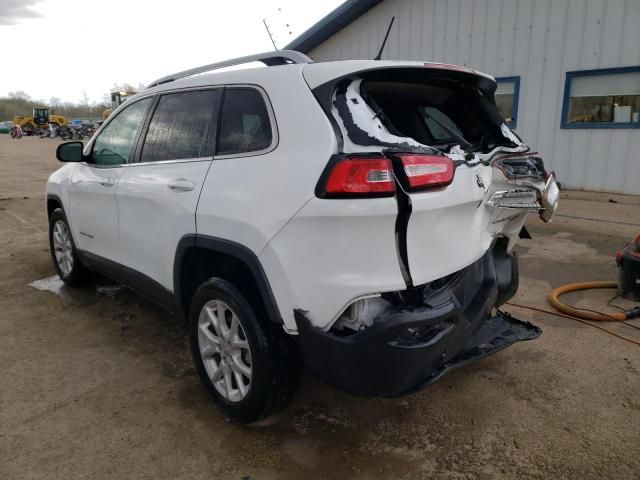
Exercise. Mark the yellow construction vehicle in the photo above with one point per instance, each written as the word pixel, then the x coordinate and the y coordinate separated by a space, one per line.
pixel 117 98
pixel 39 119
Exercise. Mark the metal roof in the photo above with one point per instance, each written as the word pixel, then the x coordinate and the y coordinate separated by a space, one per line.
pixel 332 23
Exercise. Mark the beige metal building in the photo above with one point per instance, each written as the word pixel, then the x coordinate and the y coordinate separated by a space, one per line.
pixel 568 71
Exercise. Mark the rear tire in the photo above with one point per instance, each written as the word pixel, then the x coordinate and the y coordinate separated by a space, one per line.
pixel 63 251
pixel 249 367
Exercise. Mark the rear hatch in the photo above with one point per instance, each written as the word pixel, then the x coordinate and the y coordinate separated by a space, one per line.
pixel 440 127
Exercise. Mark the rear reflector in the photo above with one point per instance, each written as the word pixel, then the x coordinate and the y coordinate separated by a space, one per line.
pixel 360 177
pixel 427 171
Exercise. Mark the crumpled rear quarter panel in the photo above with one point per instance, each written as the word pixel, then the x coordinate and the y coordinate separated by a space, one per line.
pixel 332 252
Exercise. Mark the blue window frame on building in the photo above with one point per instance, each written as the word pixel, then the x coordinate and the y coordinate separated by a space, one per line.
pixel 602 98
pixel 507 95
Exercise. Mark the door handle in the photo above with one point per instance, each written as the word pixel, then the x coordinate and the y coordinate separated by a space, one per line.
pixel 108 182
pixel 181 185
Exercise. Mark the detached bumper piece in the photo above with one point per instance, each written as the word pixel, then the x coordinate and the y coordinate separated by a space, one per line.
pixel 410 346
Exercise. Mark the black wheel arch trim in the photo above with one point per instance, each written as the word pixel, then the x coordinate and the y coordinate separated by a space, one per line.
pixel 227 247
pixel 53 196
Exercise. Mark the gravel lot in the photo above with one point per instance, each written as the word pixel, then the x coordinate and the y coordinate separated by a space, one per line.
pixel 98 383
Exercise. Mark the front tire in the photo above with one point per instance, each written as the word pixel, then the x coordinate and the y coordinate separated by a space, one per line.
pixel 63 251
pixel 249 367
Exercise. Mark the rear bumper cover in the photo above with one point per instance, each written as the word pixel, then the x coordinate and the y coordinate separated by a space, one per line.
pixel 411 346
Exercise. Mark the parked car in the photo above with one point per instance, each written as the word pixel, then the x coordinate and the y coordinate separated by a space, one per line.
pixel 5 127
pixel 358 214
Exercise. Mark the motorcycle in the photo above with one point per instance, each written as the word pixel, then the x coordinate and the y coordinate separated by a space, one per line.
pixel 16 131
pixel 88 130
pixel 78 132
pixel 64 132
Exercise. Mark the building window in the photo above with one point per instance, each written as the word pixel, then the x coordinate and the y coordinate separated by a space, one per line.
pixel 506 97
pixel 604 98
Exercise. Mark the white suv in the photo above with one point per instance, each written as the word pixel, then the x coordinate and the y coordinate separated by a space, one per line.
pixel 356 214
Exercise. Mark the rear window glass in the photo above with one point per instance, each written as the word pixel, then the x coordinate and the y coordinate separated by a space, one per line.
pixel 179 126
pixel 430 114
pixel 244 122
pixel 437 122
pixel 418 110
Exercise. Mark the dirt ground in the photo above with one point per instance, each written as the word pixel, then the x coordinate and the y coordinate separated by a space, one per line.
pixel 98 383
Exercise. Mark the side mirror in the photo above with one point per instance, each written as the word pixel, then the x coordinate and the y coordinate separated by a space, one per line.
pixel 70 152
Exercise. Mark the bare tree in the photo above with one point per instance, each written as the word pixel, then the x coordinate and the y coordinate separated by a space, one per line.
pixel 123 87
pixel 85 102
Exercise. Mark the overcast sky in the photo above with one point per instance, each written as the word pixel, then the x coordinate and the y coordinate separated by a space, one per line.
pixel 59 48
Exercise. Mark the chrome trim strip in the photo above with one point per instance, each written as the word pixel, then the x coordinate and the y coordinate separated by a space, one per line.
pixel 164 162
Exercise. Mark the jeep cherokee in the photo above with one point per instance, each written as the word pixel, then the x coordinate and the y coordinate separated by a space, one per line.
pixel 357 214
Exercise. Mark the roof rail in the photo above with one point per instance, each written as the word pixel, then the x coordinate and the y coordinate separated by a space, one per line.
pixel 279 57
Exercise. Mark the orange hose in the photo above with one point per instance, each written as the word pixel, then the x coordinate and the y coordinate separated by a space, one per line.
pixel 581 315
pixel 579 312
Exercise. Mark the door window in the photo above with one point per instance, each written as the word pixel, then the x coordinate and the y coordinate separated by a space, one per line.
pixel 116 142
pixel 245 125
pixel 180 125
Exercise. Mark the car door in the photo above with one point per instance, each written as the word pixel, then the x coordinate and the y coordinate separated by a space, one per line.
pixel 92 191
pixel 158 195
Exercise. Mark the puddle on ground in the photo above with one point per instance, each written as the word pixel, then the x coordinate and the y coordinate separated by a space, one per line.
pixel 76 296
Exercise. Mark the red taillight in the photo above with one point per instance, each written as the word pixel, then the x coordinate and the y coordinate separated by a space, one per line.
pixel 360 177
pixel 427 171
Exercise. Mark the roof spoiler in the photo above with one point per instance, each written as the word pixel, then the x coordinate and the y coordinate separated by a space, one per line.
pixel 280 57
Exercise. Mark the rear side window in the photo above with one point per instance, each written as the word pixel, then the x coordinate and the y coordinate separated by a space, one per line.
pixel 244 122
pixel 180 126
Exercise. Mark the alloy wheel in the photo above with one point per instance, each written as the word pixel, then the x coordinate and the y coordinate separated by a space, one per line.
pixel 62 247
pixel 224 350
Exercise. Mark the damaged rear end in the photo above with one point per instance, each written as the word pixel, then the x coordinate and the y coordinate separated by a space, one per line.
pixel 429 136
pixel 413 341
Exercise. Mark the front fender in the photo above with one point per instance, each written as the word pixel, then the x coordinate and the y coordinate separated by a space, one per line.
pixel 57 186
